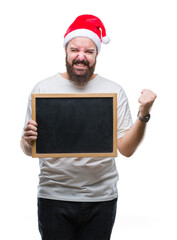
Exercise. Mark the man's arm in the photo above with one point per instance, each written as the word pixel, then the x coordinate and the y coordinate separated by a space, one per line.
pixel 132 138
pixel 30 134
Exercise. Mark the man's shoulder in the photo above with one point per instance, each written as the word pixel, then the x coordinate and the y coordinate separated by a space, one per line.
pixel 45 83
pixel 107 83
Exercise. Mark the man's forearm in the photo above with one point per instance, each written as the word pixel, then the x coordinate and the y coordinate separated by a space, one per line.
pixel 132 138
pixel 27 149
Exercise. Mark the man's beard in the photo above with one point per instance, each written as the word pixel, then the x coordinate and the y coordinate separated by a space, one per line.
pixel 82 78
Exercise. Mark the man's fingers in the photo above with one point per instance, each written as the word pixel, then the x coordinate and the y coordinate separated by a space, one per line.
pixel 30 133
pixel 148 93
pixel 147 96
pixel 30 138
pixel 32 122
pixel 30 127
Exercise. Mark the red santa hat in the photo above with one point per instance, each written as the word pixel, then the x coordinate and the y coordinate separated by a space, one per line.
pixel 87 26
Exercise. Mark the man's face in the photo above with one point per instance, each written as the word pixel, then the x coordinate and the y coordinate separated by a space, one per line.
pixel 81 55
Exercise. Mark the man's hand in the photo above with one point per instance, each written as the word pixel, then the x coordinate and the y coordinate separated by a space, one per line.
pixel 30 132
pixel 146 101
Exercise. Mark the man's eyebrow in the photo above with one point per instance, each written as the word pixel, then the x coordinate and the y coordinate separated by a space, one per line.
pixel 73 48
pixel 91 50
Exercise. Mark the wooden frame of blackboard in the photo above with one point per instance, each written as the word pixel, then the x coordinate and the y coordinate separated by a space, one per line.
pixel 88 96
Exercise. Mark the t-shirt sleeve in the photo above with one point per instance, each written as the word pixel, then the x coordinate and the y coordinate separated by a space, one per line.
pixel 28 117
pixel 28 114
pixel 124 119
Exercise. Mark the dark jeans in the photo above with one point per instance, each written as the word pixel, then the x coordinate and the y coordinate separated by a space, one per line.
pixel 61 220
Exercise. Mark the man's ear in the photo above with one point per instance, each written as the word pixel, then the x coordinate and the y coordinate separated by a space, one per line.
pixel 96 52
pixel 66 47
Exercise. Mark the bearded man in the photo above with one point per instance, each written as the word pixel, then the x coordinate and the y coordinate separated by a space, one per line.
pixel 77 197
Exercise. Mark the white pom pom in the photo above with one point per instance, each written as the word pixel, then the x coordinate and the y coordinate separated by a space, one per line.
pixel 106 40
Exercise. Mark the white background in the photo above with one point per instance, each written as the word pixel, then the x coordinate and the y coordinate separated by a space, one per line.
pixel 142 54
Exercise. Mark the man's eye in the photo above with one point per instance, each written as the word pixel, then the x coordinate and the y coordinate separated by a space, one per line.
pixel 74 50
pixel 89 52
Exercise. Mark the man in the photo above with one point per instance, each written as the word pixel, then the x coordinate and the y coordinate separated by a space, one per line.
pixel 77 197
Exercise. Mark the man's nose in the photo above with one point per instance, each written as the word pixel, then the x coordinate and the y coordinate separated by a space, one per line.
pixel 81 56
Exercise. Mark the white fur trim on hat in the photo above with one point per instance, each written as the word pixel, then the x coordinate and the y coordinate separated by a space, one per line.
pixel 106 40
pixel 83 33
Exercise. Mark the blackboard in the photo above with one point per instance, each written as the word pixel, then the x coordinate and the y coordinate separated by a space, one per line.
pixel 75 125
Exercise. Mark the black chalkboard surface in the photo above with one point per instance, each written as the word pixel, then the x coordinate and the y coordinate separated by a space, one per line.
pixel 75 125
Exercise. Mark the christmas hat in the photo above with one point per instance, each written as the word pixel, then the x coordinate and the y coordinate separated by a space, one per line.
pixel 87 26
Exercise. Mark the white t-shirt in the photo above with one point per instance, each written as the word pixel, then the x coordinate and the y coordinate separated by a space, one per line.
pixel 90 179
